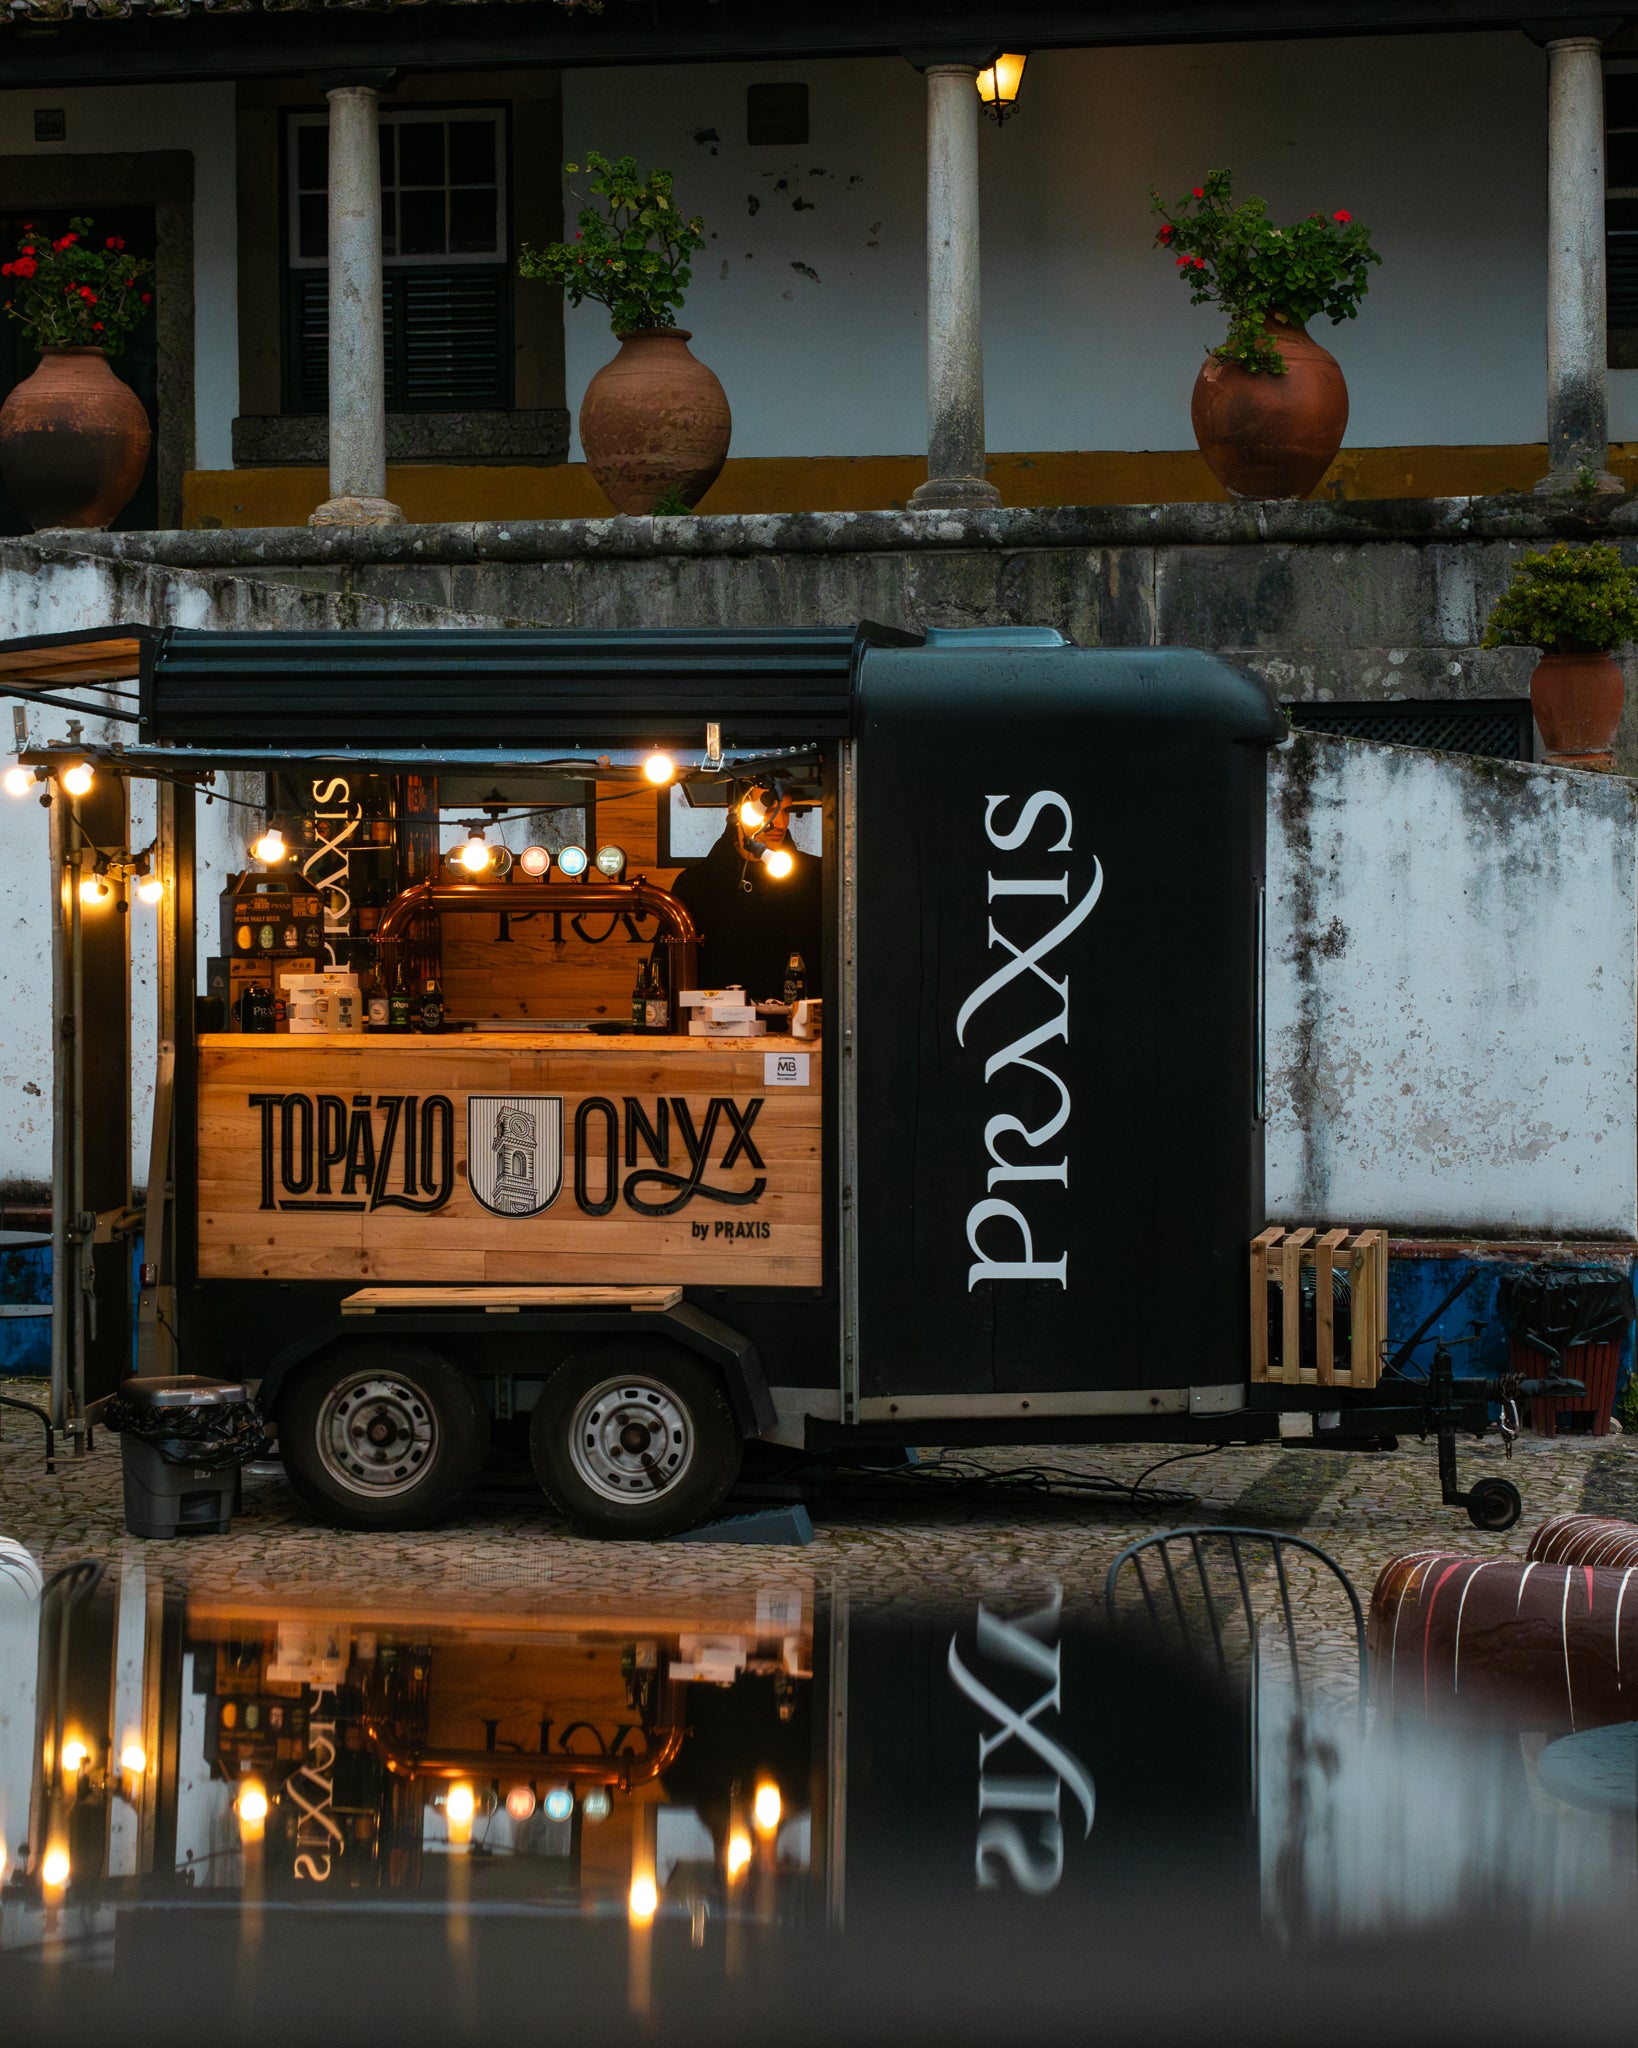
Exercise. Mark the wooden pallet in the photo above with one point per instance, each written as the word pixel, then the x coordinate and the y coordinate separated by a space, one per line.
pixel 1279 1256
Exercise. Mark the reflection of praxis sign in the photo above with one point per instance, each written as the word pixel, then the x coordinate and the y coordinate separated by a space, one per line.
pixel 368 1152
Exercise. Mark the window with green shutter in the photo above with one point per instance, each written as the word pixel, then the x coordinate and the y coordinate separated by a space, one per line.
pixel 446 265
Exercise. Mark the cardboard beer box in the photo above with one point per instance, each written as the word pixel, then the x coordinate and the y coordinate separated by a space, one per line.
pixel 271 917
pixel 230 978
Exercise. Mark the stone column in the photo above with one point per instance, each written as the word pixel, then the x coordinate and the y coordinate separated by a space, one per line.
pixel 358 379
pixel 955 343
pixel 1577 377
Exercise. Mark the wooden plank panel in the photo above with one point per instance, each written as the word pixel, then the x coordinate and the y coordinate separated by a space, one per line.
pixel 1290 1305
pixel 747 1206
pixel 1259 1301
pixel 1324 1332
pixel 649 1299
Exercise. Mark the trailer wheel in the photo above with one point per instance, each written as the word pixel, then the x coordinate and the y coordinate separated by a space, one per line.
pixel 635 1439
pixel 1494 1504
pixel 382 1436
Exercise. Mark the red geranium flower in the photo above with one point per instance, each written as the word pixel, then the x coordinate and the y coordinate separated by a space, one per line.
pixel 25 266
pixel 1199 191
pixel 88 295
pixel 1343 215
pixel 28 249
pixel 1167 232
pixel 96 326
pixel 1200 263
pixel 1182 262
pixel 146 296
pixel 8 270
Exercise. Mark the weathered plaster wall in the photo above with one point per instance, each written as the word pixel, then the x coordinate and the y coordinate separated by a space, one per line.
pixel 197 118
pixel 812 307
pixel 1453 985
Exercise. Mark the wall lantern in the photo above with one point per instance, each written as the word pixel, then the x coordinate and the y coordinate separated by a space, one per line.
pixel 998 84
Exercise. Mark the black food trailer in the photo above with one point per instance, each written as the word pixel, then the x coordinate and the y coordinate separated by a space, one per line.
pixel 1004 1192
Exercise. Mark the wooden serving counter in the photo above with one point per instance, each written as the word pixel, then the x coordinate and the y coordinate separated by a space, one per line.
pixel 565 1157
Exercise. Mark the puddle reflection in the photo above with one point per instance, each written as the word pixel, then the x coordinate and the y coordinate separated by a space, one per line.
pixel 659 1802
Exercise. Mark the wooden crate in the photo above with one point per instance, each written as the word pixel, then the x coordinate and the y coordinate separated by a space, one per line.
pixel 1280 1256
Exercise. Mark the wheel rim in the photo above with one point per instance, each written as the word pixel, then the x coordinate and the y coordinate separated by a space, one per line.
pixel 377 1434
pixel 630 1439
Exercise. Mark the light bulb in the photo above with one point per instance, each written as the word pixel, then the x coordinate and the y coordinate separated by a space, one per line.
pixel 534 860
pixel 461 1804
pixel 74 1755
pixel 93 889
pixel 779 864
pixel 659 768
pixel 739 1851
pixel 752 813
pixel 767 1807
pixel 78 779
pixel 520 1802
pixel 19 780
pixel 54 1867
pixel 150 888
pixel 270 848
pixel 252 1804
pixel 133 1758
pixel 645 1897
pixel 474 855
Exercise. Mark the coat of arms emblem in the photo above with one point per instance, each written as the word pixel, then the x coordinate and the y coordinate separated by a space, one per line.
pixel 514 1152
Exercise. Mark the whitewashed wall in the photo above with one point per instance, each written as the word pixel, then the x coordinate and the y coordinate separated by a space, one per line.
pixel 198 118
pixel 1438 142
pixel 1453 984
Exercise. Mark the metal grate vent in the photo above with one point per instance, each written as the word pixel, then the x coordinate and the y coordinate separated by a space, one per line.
pixel 1496 727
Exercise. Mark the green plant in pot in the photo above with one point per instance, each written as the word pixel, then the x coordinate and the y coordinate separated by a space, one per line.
pixel 1577 605
pixel 74 438
pixel 1270 406
pixel 654 422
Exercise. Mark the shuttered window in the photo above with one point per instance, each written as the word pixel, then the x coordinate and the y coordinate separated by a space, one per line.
pixel 447 273
pixel 1621 210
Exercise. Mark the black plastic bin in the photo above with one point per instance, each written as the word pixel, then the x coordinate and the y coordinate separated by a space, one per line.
pixel 183 1440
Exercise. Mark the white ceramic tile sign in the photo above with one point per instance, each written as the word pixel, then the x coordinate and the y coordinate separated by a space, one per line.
pixel 785 1070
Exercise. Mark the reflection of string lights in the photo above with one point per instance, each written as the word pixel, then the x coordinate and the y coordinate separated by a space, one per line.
pixel 54 1867
pixel 739 1852
pixel 767 1807
pixel 252 1804
pixel 644 1899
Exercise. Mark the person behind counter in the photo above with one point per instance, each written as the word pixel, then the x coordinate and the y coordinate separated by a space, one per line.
pixel 750 924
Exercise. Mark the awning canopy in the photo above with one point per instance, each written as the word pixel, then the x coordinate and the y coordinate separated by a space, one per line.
pixel 456 689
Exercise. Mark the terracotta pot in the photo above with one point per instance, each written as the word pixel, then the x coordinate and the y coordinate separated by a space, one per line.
pixel 1271 437
pixel 654 420
pixel 74 441
pixel 1577 700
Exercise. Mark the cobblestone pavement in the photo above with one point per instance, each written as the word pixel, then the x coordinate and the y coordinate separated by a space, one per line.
pixel 904 1543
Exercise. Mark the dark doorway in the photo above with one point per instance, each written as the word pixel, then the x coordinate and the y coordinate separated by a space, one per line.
pixel 137 363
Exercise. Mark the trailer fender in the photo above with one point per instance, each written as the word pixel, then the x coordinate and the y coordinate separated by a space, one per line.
pixel 733 1354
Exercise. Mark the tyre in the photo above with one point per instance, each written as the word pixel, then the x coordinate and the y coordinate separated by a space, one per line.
pixel 1494 1504
pixel 635 1439
pixel 382 1436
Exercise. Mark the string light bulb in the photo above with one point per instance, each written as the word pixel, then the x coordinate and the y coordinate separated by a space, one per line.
pixel 93 891
pixel 133 1758
pixel 19 780
pixel 270 849
pixel 474 855
pixel 753 812
pixel 660 768
pixel 75 1755
pixel 78 779
pixel 150 888
pixel 781 864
